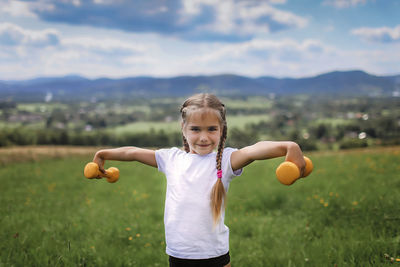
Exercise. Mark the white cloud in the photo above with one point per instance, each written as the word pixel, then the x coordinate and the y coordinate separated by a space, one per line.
pixel 291 58
pixel 16 9
pixel 344 3
pixel 105 45
pixel 258 57
pixel 14 35
pixel 103 2
pixel 263 50
pixel 206 20
pixel 105 53
pixel 277 1
pixel 243 18
pixel 280 58
pixel 382 34
pixel 250 14
pixel 106 57
pixel 93 56
pixel 383 61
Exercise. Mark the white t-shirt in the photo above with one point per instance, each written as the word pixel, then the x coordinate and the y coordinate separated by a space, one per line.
pixel 189 227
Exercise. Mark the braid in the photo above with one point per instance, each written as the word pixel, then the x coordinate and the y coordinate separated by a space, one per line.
pixel 185 144
pixel 218 193
pixel 221 147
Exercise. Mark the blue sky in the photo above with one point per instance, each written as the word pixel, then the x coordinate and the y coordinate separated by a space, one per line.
pixel 165 38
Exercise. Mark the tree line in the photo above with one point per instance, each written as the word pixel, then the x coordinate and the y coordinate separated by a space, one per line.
pixel 359 133
pixel 314 123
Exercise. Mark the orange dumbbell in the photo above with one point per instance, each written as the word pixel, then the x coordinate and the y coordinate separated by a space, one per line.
pixel 92 171
pixel 288 172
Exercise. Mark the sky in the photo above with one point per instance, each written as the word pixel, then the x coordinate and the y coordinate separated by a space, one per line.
pixel 168 38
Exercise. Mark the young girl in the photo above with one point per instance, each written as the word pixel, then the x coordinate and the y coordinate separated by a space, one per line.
pixel 198 179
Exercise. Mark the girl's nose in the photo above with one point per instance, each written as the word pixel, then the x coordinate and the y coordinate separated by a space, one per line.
pixel 203 137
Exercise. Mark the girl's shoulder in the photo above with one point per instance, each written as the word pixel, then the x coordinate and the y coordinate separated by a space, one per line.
pixel 170 151
pixel 164 156
pixel 229 150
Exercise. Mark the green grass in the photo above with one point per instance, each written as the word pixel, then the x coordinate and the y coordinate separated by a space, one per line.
pixel 258 102
pixel 41 107
pixel 242 121
pixel 239 121
pixel 333 121
pixel 144 126
pixel 345 213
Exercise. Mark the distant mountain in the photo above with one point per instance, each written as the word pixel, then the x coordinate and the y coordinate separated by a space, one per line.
pixel 72 88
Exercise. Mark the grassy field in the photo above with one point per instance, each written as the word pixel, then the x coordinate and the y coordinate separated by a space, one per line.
pixel 174 126
pixel 346 213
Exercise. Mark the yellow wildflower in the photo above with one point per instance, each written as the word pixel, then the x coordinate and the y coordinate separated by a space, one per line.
pixel 88 201
pixel 51 187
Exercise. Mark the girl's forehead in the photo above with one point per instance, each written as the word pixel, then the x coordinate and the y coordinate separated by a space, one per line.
pixel 204 115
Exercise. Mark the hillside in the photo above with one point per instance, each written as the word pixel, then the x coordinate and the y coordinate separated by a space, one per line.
pixel 355 83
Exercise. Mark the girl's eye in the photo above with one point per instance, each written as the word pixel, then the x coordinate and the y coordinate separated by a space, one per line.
pixel 195 129
pixel 212 129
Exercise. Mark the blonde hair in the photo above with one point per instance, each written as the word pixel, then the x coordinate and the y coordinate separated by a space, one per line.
pixel 210 103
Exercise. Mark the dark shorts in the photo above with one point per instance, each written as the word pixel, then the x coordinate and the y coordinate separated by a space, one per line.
pixel 212 262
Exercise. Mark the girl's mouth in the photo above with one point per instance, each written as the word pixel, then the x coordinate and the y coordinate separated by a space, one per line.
pixel 202 145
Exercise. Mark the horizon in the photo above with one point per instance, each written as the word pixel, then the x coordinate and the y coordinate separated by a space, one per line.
pixel 200 75
pixel 164 39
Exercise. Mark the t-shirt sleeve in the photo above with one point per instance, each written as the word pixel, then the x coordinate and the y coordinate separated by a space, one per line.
pixel 226 163
pixel 163 156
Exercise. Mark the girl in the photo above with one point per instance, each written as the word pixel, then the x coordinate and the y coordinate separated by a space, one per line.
pixel 198 179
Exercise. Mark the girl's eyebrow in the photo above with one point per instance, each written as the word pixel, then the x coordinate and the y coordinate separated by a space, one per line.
pixel 210 126
pixel 194 125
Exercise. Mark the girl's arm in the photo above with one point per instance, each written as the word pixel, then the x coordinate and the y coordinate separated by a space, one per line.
pixel 146 156
pixel 266 150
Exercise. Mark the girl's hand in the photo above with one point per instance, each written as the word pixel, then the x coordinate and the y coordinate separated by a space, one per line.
pixel 99 161
pixel 295 155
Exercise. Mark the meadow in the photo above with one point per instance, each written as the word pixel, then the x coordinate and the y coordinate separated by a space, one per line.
pixel 239 121
pixel 346 213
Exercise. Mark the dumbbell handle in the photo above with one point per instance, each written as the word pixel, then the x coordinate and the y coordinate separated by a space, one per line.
pixel 288 172
pixel 92 171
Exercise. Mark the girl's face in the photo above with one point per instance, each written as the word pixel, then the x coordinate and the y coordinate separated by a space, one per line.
pixel 202 132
